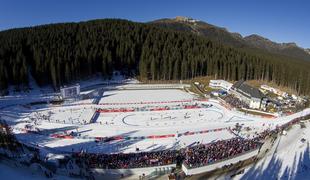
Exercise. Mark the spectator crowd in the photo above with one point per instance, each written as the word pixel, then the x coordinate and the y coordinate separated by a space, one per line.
pixel 199 155
pixel 125 161
pixel 205 154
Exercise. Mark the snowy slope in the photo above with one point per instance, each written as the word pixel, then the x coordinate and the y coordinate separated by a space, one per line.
pixel 12 172
pixel 288 159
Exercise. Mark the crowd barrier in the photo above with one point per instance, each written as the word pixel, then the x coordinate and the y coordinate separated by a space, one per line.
pixel 146 102
pixel 61 136
pixel 135 173
pixel 114 110
pixel 163 108
pixel 115 138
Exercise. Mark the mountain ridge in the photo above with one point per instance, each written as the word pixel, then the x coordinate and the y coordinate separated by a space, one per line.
pixel 235 39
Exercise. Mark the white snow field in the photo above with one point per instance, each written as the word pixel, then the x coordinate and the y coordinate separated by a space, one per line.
pixel 138 96
pixel 289 158
pixel 146 130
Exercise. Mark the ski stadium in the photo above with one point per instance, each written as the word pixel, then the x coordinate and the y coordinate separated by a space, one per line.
pixel 135 130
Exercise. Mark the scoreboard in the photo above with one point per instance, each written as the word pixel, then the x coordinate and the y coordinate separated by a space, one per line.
pixel 70 91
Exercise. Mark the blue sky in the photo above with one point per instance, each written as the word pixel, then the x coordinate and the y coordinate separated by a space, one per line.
pixel 278 20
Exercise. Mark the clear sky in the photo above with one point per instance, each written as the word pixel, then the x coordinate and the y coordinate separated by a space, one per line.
pixel 278 20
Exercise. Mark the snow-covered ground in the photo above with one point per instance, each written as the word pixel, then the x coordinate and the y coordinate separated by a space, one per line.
pixel 138 96
pixel 136 128
pixel 13 171
pixel 289 158
pixel 51 120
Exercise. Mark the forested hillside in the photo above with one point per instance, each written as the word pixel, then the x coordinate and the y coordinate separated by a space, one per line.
pixel 61 53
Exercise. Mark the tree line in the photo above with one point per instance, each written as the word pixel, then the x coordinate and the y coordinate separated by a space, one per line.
pixel 59 54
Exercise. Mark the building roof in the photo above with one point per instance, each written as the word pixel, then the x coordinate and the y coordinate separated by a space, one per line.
pixel 220 81
pixel 247 90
